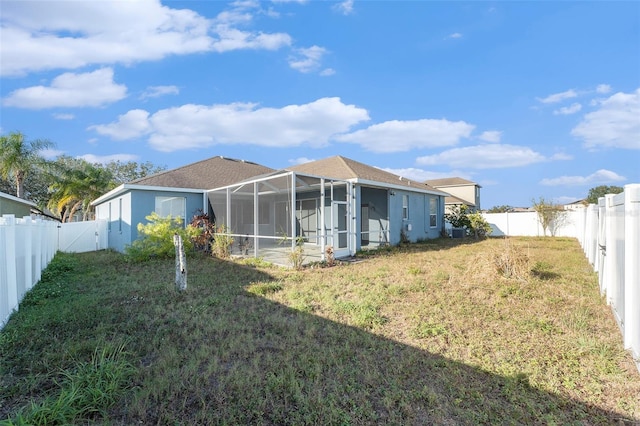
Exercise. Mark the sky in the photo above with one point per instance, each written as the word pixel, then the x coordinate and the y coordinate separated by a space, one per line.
pixel 528 99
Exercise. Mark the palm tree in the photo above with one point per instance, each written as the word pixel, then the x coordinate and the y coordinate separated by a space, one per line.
pixel 77 184
pixel 19 157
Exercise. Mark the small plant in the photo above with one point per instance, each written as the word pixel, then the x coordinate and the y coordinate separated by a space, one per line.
pixel 156 238
pixel 202 221
pixel 263 288
pixel 404 238
pixel 329 256
pixel 478 225
pixel 222 242
pixel 296 257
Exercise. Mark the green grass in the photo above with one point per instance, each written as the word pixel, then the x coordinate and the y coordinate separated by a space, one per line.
pixel 429 333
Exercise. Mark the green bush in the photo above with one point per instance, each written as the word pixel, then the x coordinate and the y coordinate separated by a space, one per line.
pixel 156 238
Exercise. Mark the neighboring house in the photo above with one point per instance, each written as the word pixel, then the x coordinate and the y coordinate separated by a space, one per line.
pixel 335 202
pixel 177 192
pixel 576 205
pixel 462 191
pixel 15 206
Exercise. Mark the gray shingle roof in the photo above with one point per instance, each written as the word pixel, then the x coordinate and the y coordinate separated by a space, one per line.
pixel 452 181
pixel 339 167
pixel 206 174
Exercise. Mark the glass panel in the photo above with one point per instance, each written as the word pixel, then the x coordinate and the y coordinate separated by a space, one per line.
pixel 433 212
pixel 170 206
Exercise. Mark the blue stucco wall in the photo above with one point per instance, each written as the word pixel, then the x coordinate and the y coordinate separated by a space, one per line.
pixel 127 210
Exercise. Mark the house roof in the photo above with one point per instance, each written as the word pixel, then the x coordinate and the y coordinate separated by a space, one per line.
pixel 457 201
pixel 17 200
pixel 339 167
pixel 210 173
pixel 452 181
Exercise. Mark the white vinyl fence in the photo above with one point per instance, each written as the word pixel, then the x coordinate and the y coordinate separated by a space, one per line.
pixel 27 246
pixel 609 234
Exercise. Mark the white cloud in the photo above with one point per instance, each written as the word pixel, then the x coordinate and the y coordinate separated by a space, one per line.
pixel 196 126
pixel 575 107
pixel 396 136
pixel 492 136
pixel 300 160
pixel 420 175
pixel 491 156
pixel 345 7
pixel 327 72
pixel 307 60
pixel 558 97
pixel 63 116
pixel 616 124
pixel 230 38
pixel 92 89
pixel 50 153
pixel 600 177
pixel 603 88
pixel 80 33
pixel 157 91
pixel 454 35
pixel 104 159
pixel 133 124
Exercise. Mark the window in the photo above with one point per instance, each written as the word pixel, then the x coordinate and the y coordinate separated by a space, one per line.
pixel 405 207
pixel 171 206
pixel 433 212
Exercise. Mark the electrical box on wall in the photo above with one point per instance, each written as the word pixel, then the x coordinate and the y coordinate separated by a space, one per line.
pixel 408 227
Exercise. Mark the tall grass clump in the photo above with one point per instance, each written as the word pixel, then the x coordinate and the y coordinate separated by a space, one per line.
pixel 512 262
pixel 86 392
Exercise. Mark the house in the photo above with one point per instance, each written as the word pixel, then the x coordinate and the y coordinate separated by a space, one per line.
pixel 335 203
pixel 576 205
pixel 177 192
pixel 461 192
pixel 15 206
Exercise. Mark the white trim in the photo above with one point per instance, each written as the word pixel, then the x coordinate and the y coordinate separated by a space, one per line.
pixel 16 199
pixel 130 187
pixel 385 185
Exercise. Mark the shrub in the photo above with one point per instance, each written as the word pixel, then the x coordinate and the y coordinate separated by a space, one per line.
pixel 478 225
pixel 222 241
pixel 156 238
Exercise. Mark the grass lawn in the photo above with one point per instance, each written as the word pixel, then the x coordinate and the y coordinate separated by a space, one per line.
pixel 429 333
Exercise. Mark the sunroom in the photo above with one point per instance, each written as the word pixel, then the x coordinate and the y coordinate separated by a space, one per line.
pixel 269 216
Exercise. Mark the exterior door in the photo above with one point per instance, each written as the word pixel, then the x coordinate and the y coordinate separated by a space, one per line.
pixel 340 228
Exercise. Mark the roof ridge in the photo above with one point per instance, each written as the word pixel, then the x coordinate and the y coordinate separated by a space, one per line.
pixel 174 169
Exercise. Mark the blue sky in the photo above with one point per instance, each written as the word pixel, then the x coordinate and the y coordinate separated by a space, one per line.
pixel 529 99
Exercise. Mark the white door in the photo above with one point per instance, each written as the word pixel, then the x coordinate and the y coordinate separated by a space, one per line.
pixel 340 228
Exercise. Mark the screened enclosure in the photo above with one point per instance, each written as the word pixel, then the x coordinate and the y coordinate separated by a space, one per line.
pixel 269 216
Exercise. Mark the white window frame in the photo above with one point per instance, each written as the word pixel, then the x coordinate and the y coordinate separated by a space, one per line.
pixel 405 207
pixel 433 212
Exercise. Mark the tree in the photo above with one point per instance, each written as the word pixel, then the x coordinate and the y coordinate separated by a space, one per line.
pixel 19 158
pixel 551 216
pixel 77 184
pixel 500 209
pixel 457 216
pixel 601 191
pixel 124 172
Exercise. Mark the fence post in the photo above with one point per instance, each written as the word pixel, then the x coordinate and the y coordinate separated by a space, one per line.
pixel 10 254
pixel 632 269
pixel 28 253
